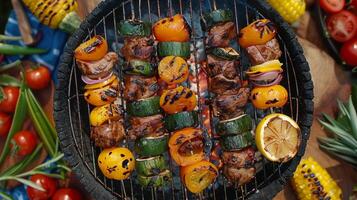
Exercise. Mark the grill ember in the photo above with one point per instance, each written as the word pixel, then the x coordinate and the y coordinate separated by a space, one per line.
pixel 170 107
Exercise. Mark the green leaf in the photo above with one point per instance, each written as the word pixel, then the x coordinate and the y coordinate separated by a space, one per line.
pixel 9 38
pixel 345 123
pixel 40 125
pixel 49 162
pixel 42 115
pixel 17 121
pixel 334 122
pixel 345 158
pixel 2 95
pixel 353 115
pixel 340 149
pixel 20 166
pixel 29 183
pixel 9 66
pixel 354 94
pixel 6 80
pixel 343 109
pixel 5 196
pixel 344 136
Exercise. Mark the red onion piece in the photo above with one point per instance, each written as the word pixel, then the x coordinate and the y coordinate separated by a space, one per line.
pixel 275 82
pixel 90 81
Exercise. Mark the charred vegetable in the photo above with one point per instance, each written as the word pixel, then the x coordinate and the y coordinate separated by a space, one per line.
pixel 116 163
pixel 173 69
pixel 256 33
pixel 186 146
pixel 172 29
pixel 177 100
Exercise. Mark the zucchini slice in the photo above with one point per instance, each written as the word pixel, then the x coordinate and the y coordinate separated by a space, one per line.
pixel 215 17
pixel 181 120
pixel 139 67
pixel 131 28
pixel 236 142
pixel 235 126
pixel 144 107
pixel 151 166
pixel 151 146
pixel 226 53
pixel 159 180
pixel 181 49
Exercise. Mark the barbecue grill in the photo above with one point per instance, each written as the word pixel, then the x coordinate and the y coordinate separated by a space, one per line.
pixel 72 111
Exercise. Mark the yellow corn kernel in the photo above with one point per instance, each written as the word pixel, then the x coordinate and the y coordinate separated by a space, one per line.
pixel 311 181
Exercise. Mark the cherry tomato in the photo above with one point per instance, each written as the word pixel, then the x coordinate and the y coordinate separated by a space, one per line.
pixel 342 26
pixel 8 103
pixel 332 6
pixel 67 194
pixel 37 77
pixel 348 52
pixel 47 183
pixel 26 142
pixel 5 123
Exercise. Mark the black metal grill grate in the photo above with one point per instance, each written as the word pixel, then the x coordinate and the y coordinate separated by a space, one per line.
pixel 152 10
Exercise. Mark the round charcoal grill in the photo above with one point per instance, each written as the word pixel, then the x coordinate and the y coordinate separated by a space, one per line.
pixel 72 111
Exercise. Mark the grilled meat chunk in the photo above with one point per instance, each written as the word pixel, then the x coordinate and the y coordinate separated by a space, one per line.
pixel 139 87
pixel 239 176
pixel 138 48
pixel 151 125
pixel 100 68
pixel 217 66
pixel 222 85
pixel 231 105
pixel 239 159
pixel 259 54
pixel 220 35
pixel 109 134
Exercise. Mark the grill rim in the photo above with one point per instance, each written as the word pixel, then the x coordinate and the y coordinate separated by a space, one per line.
pixel 61 103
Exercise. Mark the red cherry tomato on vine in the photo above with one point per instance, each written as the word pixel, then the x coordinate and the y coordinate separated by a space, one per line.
pixel 37 78
pixel 5 124
pixel 25 141
pixel 332 6
pixel 342 26
pixel 348 52
pixel 9 101
pixel 47 183
pixel 67 194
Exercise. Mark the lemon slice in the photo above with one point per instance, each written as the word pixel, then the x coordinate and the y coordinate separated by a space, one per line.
pixel 273 65
pixel 278 137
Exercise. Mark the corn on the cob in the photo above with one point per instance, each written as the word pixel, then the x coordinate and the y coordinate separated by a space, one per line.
pixel 51 12
pixel 290 10
pixel 311 182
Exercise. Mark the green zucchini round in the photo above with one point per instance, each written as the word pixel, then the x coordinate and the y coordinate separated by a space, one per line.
pixel 181 49
pixel 131 28
pixel 226 53
pixel 181 120
pixel 144 107
pixel 159 180
pixel 139 67
pixel 151 146
pixel 236 142
pixel 235 126
pixel 215 17
pixel 150 166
